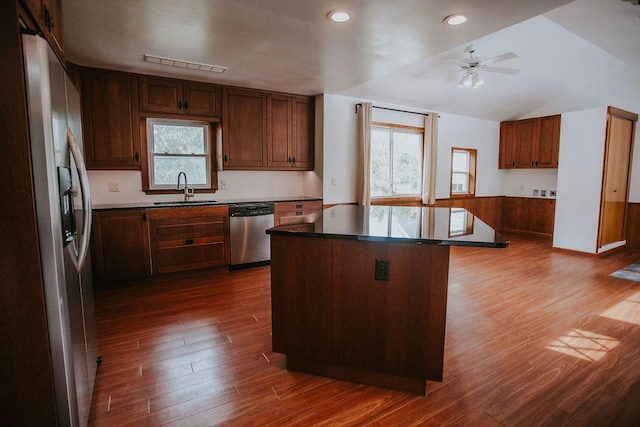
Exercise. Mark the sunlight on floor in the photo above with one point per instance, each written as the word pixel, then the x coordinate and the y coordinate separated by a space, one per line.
pixel 583 344
pixel 627 310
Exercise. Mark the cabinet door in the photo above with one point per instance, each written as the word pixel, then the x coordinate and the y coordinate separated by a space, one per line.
pixel 202 99
pixel 507 145
pixel 527 132
pixel 548 142
pixel 161 95
pixel 53 30
pixel 303 133
pixel 244 129
pixel 280 126
pixel 120 244
pixel 110 118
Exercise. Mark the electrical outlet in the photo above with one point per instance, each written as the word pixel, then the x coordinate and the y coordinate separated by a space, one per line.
pixel 114 186
pixel 223 184
pixel 552 193
pixel 543 193
pixel 382 269
pixel 333 181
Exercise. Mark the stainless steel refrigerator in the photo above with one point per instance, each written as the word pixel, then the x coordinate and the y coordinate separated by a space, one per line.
pixel 63 208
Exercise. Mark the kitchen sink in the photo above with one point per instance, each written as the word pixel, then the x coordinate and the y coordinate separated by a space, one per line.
pixel 183 202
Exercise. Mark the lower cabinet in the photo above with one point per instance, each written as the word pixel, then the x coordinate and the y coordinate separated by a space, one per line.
pixel 188 238
pixel 295 212
pixel 120 244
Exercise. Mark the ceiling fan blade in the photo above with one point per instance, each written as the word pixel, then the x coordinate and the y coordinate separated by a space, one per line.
pixel 501 70
pixel 499 58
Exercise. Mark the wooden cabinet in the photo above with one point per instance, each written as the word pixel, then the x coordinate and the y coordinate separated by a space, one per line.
pixel 110 119
pixel 333 318
pixel 267 131
pixel 171 96
pixel 291 139
pixel 48 16
pixel 530 143
pixel 120 244
pixel 507 158
pixel 244 129
pixel 189 238
pixel 295 212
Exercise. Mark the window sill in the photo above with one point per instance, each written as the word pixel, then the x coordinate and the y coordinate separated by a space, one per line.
pixel 410 201
pixel 197 191
pixel 462 196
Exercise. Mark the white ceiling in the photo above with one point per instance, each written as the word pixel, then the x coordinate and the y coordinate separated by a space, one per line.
pixel 382 54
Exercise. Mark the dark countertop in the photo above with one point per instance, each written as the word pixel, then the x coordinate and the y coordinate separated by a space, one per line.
pixel 399 224
pixel 204 202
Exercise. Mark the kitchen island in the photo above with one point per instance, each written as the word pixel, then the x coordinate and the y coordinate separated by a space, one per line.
pixel 360 293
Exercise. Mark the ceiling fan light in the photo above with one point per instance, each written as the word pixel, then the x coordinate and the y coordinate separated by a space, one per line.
pixel 466 80
pixel 476 81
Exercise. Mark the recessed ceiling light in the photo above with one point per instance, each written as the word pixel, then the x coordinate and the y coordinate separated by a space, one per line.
pixel 184 64
pixel 455 19
pixel 339 15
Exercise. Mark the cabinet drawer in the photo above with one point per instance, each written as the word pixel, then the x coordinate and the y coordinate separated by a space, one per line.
pixel 189 238
pixel 188 257
pixel 295 212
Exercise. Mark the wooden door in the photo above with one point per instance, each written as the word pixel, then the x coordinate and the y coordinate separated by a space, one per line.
pixel 161 95
pixel 280 125
pixel 110 119
pixel 618 149
pixel 202 99
pixel 303 134
pixel 548 142
pixel 120 244
pixel 507 145
pixel 527 132
pixel 244 129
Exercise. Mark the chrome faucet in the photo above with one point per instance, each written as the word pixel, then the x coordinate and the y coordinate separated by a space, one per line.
pixel 188 192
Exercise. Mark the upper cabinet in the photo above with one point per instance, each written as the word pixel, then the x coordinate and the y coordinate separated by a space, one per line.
pixel 244 129
pixel 48 16
pixel 267 131
pixel 290 139
pixel 110 119
pixel 530 143
pixel 171 96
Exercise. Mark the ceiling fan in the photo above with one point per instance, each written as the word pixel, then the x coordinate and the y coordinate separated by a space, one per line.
pixel 472 65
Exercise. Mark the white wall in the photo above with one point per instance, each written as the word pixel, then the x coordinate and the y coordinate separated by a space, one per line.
pixel 340 147
pixel 523 182
pixel 618 88
pixel 580 180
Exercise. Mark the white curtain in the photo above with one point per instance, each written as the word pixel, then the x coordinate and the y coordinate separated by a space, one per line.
pixel 430 159
pixel 364 153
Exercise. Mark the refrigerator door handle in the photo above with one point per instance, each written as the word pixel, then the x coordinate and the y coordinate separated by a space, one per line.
pixel 86 200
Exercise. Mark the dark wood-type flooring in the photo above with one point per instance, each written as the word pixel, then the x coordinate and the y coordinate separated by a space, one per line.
pixel 535 336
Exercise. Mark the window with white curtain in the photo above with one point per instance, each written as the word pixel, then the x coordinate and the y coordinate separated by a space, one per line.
pixel 396 161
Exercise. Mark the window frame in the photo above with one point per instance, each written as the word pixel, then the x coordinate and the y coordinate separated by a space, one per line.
pixel 471 173
pixel 211 157
pixel 400 198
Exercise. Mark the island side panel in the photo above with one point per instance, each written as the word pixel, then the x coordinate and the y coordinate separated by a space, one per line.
pixel 395 327
pixel 301 299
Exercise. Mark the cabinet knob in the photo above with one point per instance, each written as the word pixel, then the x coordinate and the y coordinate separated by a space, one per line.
pixel 179 105
pixel 226 158
pixel 185 105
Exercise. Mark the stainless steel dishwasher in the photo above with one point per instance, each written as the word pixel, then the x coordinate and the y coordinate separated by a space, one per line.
pixel 250 245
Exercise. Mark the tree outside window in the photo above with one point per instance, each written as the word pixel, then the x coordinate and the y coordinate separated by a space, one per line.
pixel 178 146
pixel 396 161
pixel 463 171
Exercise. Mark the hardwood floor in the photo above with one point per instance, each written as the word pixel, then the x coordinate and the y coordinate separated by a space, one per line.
pixel 535 336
